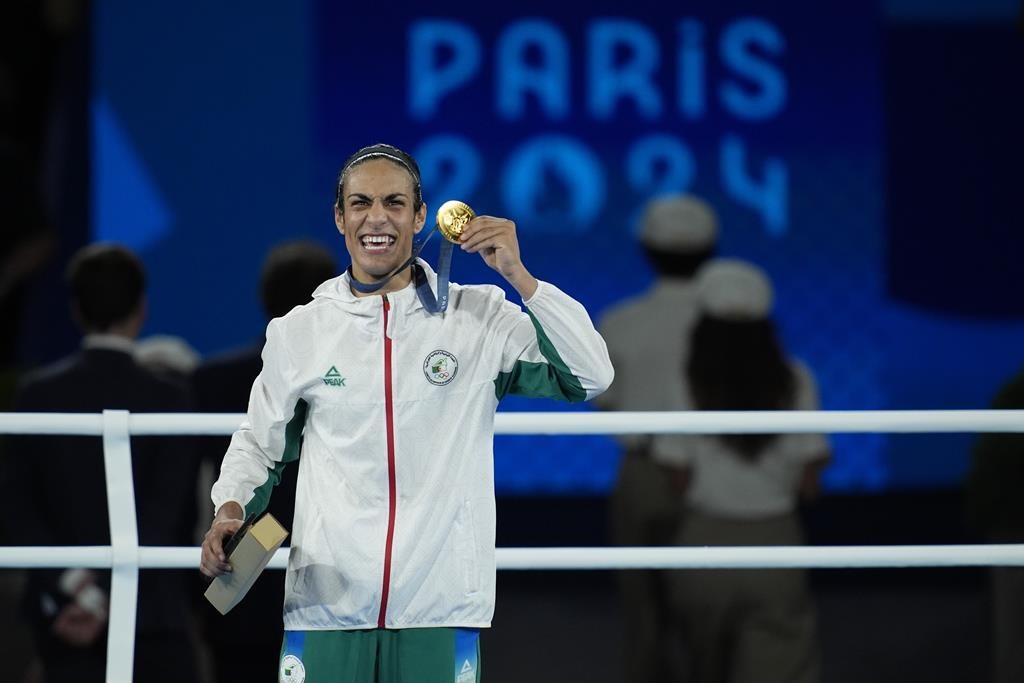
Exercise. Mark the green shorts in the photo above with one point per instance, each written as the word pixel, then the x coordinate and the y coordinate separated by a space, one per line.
pixel 412 655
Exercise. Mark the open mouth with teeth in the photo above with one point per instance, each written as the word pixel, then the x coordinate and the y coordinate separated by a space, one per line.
pixel 377 243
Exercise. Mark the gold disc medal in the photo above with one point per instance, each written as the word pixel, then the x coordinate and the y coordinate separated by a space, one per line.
pixel 452 218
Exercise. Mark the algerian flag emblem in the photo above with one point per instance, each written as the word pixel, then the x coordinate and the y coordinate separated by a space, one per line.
pixel 440 367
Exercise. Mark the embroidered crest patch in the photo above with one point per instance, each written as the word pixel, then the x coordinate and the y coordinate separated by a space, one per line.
pixel 440 367
pixel 292 670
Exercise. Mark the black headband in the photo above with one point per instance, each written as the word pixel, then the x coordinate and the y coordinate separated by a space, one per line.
pixel 414 173
pixel 367 155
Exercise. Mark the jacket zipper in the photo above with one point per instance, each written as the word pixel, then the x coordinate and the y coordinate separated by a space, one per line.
pixel 389 417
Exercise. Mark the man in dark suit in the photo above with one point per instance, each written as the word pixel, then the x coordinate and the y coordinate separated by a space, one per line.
pixel 291 272
pixel 54 487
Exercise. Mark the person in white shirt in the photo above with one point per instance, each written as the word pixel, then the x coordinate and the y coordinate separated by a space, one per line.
pixel 743 489
pixel 647 335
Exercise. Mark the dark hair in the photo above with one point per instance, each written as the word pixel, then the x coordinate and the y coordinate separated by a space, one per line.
pixel 291 272
pixel 740 365
pixel 675 264
pixel 107 282
pixel 381 151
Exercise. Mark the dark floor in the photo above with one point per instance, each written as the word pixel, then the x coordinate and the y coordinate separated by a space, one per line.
pixel 877 625
pixel 567 628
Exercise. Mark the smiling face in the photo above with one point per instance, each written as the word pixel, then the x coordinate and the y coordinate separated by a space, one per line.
pixel 378 218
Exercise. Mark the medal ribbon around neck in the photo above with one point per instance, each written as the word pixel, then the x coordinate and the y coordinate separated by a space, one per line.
pixel 452 218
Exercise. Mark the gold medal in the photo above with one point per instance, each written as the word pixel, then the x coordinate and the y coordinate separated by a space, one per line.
pixel 452 218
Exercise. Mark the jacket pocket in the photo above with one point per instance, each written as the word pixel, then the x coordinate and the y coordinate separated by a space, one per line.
pixel 466 548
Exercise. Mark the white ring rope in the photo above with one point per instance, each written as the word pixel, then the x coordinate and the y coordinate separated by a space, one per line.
pixel 125 556
pixel 690 422
pixel 573 558
pixel 702 422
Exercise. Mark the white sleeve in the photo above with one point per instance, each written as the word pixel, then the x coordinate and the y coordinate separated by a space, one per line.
pixel 553 350
pixel 806 447
pixel 271 434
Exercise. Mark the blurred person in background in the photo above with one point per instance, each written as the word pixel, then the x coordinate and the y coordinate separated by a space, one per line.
pixel 28 50
pixel 54 488
pixel 995 506
pixel 743 489
pixel 291 272
pixel 37 40
pixel 169 356
pixel 647 336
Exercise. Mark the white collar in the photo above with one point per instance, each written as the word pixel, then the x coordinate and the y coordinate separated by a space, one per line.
pixel 109 342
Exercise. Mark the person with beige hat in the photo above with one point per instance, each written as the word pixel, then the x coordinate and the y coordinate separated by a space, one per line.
pixel 647 337
pixel 743 489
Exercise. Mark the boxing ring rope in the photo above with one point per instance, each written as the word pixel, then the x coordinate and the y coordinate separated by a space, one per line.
pixel 693 422
pixel 125 557
pixel 580 558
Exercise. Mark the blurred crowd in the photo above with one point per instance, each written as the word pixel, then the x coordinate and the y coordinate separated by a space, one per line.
pixel 54 491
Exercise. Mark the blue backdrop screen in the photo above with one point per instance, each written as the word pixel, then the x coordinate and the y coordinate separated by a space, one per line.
pixel 219 134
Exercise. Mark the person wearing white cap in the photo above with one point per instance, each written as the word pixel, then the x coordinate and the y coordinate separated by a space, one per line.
pixel 743 489
pixel 647 336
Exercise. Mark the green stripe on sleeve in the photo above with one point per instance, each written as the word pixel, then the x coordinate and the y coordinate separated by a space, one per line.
pixel 553 379
pixel 292 448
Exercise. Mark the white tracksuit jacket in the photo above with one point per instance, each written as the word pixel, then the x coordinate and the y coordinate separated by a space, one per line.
pixel 389 411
